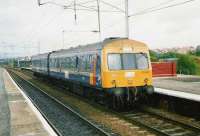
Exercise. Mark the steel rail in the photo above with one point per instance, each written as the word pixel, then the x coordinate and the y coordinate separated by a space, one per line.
pixel 159 117
pixel 14 77
pixel 181 123
pixel 95 126
pixel 161 128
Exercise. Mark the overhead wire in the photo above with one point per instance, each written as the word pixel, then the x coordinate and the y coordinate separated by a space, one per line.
pixel 69 7
pixel 41 26
pixel 113 6
pixel 81 4
pixel 91 8
pixel 157 5
pixel 145 11
pixel 33 33
pixel 162 8
pixel 151 9
pixel 86 2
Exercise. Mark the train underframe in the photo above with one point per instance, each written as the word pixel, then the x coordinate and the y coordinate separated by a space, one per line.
pixel 115 98
pixel 123 98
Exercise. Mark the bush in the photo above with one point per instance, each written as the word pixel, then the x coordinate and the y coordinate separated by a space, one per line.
pixel 153 55
pixel 186 64
pixel 197 53
pixel 168 55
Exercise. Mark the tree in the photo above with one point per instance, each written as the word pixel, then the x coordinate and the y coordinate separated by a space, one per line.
pixel 197 53
pixel 168 55
pixel 153 55
pixel 186 65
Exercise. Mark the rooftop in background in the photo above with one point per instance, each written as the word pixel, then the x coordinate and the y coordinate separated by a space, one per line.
pixel 182 50
pixel 168 59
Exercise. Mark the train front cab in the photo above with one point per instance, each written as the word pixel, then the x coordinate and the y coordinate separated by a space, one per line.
pixel 126 72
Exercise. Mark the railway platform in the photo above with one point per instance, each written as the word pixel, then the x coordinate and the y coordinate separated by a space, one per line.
pixel 182 86
pixel 17 116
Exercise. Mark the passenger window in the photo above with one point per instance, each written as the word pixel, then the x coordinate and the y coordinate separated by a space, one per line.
pixel 129 61
pixel 142 61
pixel 114 62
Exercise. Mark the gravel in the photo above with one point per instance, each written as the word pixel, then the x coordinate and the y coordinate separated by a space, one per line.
pixel 66 122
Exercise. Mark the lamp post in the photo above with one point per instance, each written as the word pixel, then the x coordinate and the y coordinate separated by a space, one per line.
pixel 99 19
pixel 127 18
pixel 63 39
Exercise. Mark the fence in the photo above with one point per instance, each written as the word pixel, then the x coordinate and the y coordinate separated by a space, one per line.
pixel 164 69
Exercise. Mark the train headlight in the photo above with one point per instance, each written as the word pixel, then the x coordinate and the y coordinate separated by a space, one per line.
pixel 113 82
pixel 149 89
pixel 146 81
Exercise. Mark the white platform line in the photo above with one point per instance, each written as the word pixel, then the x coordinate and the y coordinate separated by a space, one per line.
pixel 17 101
pixel 189 96
pixel 47 127
pixel 13 93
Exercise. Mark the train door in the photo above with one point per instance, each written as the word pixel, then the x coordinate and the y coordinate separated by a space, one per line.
pixel 95 71
pixel 98 71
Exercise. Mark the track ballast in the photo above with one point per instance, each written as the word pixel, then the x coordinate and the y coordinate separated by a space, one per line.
pixel 62 118
pixel 161 125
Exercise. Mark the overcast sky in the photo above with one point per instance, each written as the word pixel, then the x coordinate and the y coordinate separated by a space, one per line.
pixel 24 25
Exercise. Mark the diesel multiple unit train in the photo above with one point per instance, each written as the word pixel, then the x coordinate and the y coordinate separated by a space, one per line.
pixel 117 70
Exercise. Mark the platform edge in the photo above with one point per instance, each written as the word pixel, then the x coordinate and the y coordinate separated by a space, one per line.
pixel 45 124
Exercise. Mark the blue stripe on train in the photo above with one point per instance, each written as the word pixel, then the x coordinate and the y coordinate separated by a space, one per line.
pixel 58 75
pixel 75 77
pixel 80 78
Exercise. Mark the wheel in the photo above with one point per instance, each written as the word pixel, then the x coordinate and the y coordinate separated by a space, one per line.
pixel 118 102
pixel 130 103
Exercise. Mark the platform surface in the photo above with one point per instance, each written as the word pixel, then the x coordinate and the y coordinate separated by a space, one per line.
pixel 188 84
pixel 16 116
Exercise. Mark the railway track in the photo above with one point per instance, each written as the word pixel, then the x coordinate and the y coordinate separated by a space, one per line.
pixel 62 118
pixel 159 124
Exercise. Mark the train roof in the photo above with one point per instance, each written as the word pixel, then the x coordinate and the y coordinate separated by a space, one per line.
pixel 39 56
pixel 83 49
